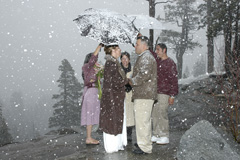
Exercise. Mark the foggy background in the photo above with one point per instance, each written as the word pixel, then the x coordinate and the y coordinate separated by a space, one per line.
pixel 35 36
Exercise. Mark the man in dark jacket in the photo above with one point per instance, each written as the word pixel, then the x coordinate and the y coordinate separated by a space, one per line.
pixel 144 83
pixel 167 88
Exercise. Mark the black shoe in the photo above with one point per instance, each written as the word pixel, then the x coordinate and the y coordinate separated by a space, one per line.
pixel 129 139
pixel 129 134
pixel 138 151
pixel 136 145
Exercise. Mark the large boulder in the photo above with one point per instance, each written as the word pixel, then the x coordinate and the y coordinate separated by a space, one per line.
pixel 203 142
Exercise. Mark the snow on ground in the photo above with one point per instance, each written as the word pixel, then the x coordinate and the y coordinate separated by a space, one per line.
pixel 193 79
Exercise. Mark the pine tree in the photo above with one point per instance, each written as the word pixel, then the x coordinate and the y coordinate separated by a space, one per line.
pixel 5 136
pixel 185 15
pixel 18 118
pixel 42 107
pixel 223 18
pixel 152 12
pixel 67 109
pixel 186 73
pixel 199 67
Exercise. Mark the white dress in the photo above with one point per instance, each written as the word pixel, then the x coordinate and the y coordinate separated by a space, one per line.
pixel 114 143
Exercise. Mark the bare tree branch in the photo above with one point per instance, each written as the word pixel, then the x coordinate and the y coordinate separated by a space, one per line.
pixel 178 24
pixel 163 2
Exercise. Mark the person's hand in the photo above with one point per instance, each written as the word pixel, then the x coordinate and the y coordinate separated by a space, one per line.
pixel 100 45
pixel 171 101
pixel 98 49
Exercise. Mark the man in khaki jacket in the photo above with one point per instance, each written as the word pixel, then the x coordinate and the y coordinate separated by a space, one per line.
pixel 144 83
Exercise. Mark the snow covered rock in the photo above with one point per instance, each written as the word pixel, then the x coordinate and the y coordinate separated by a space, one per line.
pixel 203 142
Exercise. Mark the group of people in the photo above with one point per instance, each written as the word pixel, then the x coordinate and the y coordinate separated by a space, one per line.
pixel 131 96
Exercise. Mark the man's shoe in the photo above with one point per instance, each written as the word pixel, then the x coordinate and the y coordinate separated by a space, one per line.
pixel 136 145
pixel 154 139
pixel 163 140
pixel 138 151
pixel 129 139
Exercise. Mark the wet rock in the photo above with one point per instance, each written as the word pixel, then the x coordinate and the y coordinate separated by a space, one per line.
pixel 192 105
pixel 62 131
pixel 75 156
pixel 66 131
pixel 184 88
pixel 202 141
pixel 52 132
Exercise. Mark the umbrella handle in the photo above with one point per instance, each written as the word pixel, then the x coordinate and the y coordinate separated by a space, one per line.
pixel 134 25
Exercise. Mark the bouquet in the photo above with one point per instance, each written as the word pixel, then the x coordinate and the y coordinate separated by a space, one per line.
pixel 99 69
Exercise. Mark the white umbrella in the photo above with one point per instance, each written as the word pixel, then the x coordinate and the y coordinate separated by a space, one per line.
pixel 145 21
pixel 106 27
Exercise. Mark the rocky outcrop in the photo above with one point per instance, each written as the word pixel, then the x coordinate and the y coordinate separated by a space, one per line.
pixel 62 131
pixel 203 142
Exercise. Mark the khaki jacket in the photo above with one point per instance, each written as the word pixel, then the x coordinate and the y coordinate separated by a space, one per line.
pixel 144 78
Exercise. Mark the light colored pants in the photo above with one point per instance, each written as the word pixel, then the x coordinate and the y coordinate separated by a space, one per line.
pixel 129 110
pixel 160 116
pixel 143 110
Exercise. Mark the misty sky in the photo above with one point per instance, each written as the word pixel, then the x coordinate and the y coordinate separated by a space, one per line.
pixel 36 35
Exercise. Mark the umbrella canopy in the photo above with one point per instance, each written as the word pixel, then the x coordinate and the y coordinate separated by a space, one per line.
pixel 145 21
pixel 106 27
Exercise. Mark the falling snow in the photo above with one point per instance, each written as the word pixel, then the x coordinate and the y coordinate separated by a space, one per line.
pixel 35 36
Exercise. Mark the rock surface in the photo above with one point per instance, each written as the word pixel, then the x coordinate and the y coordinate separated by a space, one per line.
pixel 193 104
pixel 203 142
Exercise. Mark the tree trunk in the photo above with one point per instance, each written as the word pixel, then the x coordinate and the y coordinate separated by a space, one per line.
pixel 151 37
pixel 151 14
pixel 236 47
pixel 183 42
pixel 228 41
pixel 179 58
pixel 210 45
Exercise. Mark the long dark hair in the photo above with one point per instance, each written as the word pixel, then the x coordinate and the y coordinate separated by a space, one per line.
pixel 87 58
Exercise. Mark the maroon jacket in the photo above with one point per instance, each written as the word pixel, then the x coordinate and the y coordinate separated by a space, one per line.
pixel 167 80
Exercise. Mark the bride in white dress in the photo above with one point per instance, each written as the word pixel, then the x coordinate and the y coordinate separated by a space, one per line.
pixel 112 113
pixel 114 143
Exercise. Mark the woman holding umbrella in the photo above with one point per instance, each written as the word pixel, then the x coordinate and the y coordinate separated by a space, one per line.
pixel 90 103
pixel 112 119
